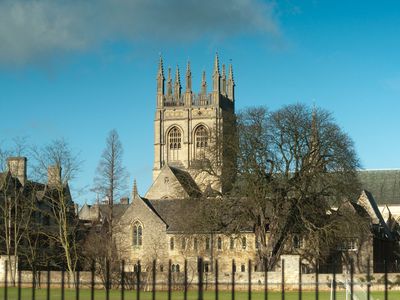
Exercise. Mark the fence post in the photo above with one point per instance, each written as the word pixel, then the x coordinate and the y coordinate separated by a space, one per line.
pixel 5 280
pixel 317 280
pixel 216 280
pixel 351 279
pixel 77 284
pixel 153 294
pixel 107 279
pixel 368 280
pixel 122 280
pixel 33 284
pixel 169 279
pixel 265 278
pixel 48 282
pixel 283 280
pixel 334 279
pixel 185 281
pixel 386 279
pixel 233 279
pixel 249 283
pixel 62 283
pixel 19 284
pixel 300 281
pixel 92 280
pixel 138 280
pixel 200 275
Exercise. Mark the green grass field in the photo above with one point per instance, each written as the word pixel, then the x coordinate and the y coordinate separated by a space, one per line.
pixel 70 294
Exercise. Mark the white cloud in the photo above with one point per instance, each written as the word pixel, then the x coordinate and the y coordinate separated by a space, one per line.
pixel 31 31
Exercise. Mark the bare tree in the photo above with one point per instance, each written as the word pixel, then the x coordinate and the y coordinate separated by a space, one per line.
pixel 110 182
pixel 111 177
pixel 59 164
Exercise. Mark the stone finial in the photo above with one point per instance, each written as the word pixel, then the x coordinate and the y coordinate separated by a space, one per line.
pixel 203 84
pixel 134 190
pixel 188 78
pixel 216 64
pixel 231 84
pixel 160 68
pixel 223 80
pixel 177 88
pixel 169 83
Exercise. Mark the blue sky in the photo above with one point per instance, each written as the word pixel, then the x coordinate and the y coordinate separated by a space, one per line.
pixel 76 70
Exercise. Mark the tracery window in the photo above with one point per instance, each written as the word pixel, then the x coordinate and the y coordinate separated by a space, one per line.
pixel 201 141
pixel 137 234
pixel 174 143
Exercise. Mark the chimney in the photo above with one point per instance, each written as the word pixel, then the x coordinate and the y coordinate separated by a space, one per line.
pixel 17 168
pixel 124 200
pixel 54 175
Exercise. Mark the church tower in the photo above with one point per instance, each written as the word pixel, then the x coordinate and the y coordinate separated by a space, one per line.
pixel 190 127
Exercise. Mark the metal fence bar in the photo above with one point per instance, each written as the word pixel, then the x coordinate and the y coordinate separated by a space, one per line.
pixel 317 280
pixel 233 280
pixel 63 283
pixel 249 280
pixel 169 279
pixel 138 280
pixel 200 272
pixel 351 279
pixel 283 280
pixel 5 280
pixel 92 280
pixel 48 282
pixel 216 280
pixel 153 290
pixel 123 280
pixel 185 281
pixel 19 284
pixel 386 279
pixel 334 281
pixel 368 280
pixel 300 281
pixel 33 285
pixel 107 279
pixel 77 284
pixel 265 260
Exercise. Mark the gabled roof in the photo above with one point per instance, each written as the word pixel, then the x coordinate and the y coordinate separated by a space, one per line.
pixel 383 184
pixel 187 182
pixel 173 183
pixel 368 202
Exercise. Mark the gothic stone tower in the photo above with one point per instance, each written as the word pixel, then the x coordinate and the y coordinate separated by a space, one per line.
pixel 188 125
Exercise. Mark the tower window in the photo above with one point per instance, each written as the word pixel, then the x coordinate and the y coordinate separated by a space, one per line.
pixel 208 243
pixel 232 243
pixel 174 143
pixel 201 137
pixel 219 243
pixel 174 138
pixel 244 243
pixel 171 244
pixel 137 234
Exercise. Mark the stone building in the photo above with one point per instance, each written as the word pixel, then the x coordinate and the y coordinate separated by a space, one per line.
pixel 189 127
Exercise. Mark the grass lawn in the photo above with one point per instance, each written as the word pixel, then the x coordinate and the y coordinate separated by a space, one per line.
pixel 40 294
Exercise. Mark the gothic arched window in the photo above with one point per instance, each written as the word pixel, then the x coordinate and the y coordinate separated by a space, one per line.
pixel 201 141
pixel 174 143
pixel 201 137
pixel 137 234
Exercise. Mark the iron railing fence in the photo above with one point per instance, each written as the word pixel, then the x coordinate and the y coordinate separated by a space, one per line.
pixel 138 280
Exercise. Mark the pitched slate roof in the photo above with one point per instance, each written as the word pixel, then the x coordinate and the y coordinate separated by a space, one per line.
pixel 187 182
pixel 384 185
